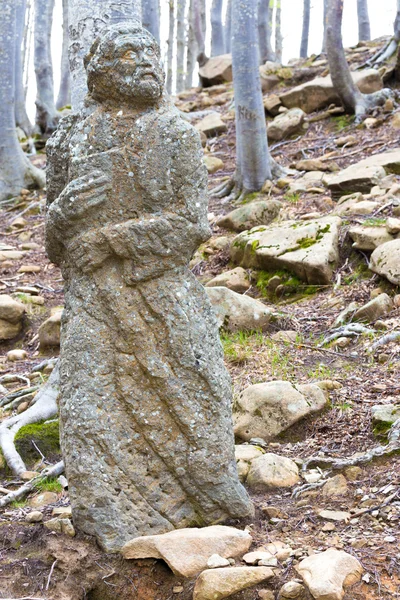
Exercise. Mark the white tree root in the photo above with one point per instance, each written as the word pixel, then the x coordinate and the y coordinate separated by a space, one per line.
pixel 24 490
pixel 385 339
pixel 44 406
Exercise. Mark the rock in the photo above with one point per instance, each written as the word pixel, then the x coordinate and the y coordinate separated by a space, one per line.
pixel 61 526
pixel 328 574
pixel 271 104
pixel 354 204
pixel 6 255
pixel 63 512
pixel 369 238
pixel 385 260
pixel 15 355
pixel 291 590
pixel 383 416
pixel 319 93
pixel 267 409
pixel 45 435
pixel 286 124
pixel 219 583
pixel 49 331
pixel 35 516
pixel 186 551
pixel 272 471
pixel 334 515
pixel 216 561
pixel 371 123
pixel 353 473
pixel 312 164
pixel 393 225
pixel 289 336
pixel 260 212
pixel 217 69
pixel 346 140
pixel 211 125
pixel 236 280
pixel 11 310
pixel 28 475
pixel 374 309
pixel 236 312
pixel 307 248
pixel 43 499
pixel 8 331
pixel 247 452
pixel 335 486
pixel 213 163
pixel 279 549
pixel 273 512
pixel 253 558
pixel 266 595
pixel 395 121
pixel 29 269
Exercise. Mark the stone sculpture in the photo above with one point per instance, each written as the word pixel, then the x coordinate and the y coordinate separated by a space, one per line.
pixel 145 405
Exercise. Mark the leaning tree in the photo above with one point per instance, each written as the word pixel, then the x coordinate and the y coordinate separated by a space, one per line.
pixel 16 171
pixel 390 48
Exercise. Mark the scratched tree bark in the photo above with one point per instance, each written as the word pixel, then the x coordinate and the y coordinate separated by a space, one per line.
pixel 145 410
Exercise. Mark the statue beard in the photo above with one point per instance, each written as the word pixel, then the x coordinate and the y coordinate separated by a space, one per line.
pixel 147 84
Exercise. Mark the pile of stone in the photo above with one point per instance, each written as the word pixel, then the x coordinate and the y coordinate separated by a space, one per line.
pixel 11 317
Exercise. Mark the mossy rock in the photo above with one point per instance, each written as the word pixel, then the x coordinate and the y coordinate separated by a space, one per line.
pixel 45 435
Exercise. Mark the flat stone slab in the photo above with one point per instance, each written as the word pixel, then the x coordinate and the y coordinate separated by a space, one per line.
pixel 219 583
pixel 235 312
pixel 186 551
pixel 384 414
pixel 307 248
pixel 385 260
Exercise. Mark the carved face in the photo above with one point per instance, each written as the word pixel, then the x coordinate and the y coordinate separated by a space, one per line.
pixel 126 68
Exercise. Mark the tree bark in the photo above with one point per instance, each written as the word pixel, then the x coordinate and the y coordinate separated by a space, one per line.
pixel 64 93
pixel 46 113
pixel 16 172
pixel 180 45
pixel 191 49
pixel 278 32
pixel 265 9
pixel 21 117
pixel 364 29
pixel 217 30
pixel 170 51
pixel 228 27
pixel 323 49
pixel 151 17
pixel 393 43
pixel 306 29
pixel 199 23
pixel 86 19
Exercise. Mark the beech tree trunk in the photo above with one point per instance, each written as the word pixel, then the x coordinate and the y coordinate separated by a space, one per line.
pixel 323 49
pixel 21 117
pixel 278 32
pixel 16 172
pixel 364 29
pixel 217 30
pixel 151 17
pixel 306 29
pixel 265 9
pixel 199 23
pixel 170 51
pixel 86 19
pixel 253 165
pixel 46 113
pixel 64 93
pixel 393 43
pixel 228 27
pixel 180 45
pixel 191 48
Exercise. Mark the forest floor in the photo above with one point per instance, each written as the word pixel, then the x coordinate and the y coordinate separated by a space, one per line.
pixel 36 562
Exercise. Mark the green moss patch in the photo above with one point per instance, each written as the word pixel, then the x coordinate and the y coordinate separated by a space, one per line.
pixel 45 435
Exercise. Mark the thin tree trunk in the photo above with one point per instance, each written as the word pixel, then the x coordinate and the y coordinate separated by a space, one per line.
pixel 394 42
pixel 151 17
pixel 278 32
pixel 64 93
pixel 325 17
pixel 86 19
pixel 28 36
pixel 364 29
pixel 306 29
pixel 191 49
pixel 21 117
pixel 170 52
pixel 199 23
pixel 265 9
pixel 228 27
pixel 46 112
pixel 217 30
pixel 180 45
pixel 16 172
pixel 252 156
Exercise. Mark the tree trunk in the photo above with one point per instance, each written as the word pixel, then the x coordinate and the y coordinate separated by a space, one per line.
pixel 278 32
pixel 170 52
pixel 252 156
pixel 217 30
pixel 21 117
pixel 391 47
pixel 151 17
pixel 180 45
pixel 323 49
pixel 306 29
pixel 16 172
pixel 228 27
pixel 46 112
pixel 364 29
pixel 191 49
pixel 265 9
pixel 64 93
pixel 199 23
pixel 86 19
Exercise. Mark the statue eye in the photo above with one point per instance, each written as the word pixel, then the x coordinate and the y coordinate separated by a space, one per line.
pixel 150 51
pixel 130 55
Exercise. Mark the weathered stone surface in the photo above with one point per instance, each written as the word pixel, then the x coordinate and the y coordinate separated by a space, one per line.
pixel 363 175
pixel 15 355
pixel 307 248
pixel 286 124
pixel 335 486
pixel 11 310
pixel 385 260
pixel 186 551
pixel 291 590
pixel 334 515
pixel 272 471
pixel 236 280
pixel 145 396
pixel 259 212
pixel 384 414
pixel 328 574
pixel 369 238
pixel 49 331
pixel 219 583
pixel 213 163
pixel 236 312
pixel 211 125
pixel 374 309
pixel 272 103
pixel 9 330
pixel 267 409
pixel 217 69
pixel 318 93
pixel 43 499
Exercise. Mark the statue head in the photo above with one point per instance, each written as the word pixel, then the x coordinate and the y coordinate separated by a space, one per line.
pixel 123 65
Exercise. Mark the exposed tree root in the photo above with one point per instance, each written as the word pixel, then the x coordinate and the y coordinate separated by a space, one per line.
pixel 44 406
pixel 350 330
pixel 365 103
pixel 22 491
pixel 233 189
pixel 385 339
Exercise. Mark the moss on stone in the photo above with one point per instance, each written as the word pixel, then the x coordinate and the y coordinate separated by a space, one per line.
pixel 44 434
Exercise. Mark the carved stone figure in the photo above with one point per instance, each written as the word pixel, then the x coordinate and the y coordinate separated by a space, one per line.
pixel 145 407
